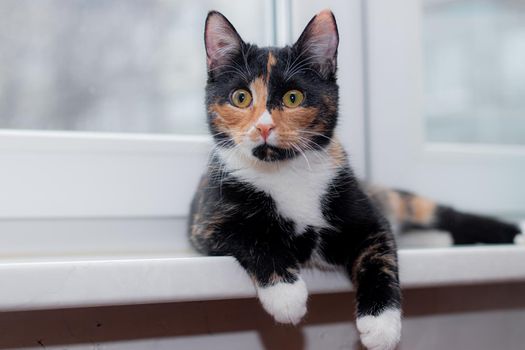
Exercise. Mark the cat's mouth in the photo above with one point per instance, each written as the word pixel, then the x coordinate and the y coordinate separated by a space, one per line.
pixel 269 153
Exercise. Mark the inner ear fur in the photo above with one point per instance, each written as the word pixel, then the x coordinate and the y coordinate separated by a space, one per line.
pixel 319 41
pixel 220 39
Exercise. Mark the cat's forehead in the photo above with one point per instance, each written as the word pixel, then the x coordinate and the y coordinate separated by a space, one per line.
pixel 264 58
pixel 277 65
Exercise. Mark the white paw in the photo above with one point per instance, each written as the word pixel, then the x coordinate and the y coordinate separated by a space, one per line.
pixel 381 332
pixel 286 302
pixel 520 237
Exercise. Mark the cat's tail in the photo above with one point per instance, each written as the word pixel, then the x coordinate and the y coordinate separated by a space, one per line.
pixel 408 211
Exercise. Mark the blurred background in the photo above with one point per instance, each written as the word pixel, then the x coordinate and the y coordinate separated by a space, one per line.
pixel 119 65
pixel 138 66
pixel 474 71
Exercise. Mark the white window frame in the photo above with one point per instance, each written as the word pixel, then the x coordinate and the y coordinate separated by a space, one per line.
pixel 477 177
pixel 60 174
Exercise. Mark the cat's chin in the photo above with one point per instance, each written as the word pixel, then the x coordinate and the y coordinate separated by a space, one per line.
pixel 269 153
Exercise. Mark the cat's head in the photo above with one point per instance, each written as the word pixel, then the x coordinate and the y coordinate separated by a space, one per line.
pixel 272 103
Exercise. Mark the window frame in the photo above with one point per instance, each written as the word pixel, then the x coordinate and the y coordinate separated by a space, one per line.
pixel 74 174
pixel 79 175
pixel 477 177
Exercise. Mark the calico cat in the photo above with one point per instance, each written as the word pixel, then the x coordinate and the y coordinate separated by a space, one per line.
pixel 279 192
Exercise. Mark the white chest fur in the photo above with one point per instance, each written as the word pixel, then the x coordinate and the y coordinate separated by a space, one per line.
pixel 297 186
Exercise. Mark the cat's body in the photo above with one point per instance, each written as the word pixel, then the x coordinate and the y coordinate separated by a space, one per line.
pixel 307 211
pixel 279 192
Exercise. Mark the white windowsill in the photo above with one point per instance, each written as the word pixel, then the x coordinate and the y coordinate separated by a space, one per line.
pixel 81 282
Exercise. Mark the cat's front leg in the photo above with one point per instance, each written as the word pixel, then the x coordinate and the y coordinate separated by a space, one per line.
pixel 280 288
pixel 375 275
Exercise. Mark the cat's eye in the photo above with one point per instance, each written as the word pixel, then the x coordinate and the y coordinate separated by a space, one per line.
pixel 241 98
pixel 293 98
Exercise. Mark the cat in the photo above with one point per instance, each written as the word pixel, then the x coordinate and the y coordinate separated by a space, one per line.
pixel 279 192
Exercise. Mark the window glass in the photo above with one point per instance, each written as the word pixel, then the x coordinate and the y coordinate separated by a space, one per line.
pixel 115 65
pixel 474 69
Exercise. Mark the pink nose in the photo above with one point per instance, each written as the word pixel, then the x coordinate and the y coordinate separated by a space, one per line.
pixel 265 130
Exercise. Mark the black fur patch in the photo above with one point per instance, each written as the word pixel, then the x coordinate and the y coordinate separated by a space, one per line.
pixel 270 153
pixel 469 228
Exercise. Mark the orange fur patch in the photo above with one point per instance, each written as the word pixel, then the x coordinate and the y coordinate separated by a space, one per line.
pixel 272 61
pixel 397 205
pixel 422 210
pixel 412 208
pixel 290 121
pixel 237 121
pixel 336 151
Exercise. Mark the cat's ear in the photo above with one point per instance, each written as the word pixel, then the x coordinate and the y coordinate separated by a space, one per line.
pixel 221 40
pixel 319 41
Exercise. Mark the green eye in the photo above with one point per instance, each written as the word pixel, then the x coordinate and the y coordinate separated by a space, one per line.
pixel 293 98
pixel 241 98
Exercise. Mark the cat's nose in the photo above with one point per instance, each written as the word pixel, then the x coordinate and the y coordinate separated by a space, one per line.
pixel 265 129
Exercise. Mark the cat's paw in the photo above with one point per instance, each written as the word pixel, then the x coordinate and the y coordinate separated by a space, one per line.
pixel 381 332
pixel 286 302
pixel 520 237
